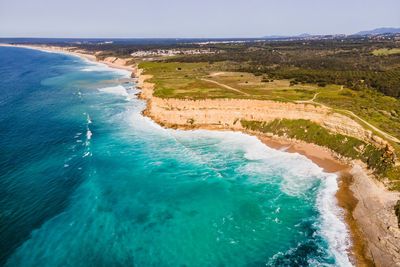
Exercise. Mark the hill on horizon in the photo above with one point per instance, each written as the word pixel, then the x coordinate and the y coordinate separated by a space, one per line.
pixel 382 30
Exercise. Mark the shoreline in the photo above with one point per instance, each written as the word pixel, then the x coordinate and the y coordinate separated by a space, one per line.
pixel 375 236
pixel 364 247
pixel 358 253
pixel 367 203
pixel 86 56
pixel 344 195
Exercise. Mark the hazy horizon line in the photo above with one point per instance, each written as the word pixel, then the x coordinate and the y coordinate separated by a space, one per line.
pixel 238 36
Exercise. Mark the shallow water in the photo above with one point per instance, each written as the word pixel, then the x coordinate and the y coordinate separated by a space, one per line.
pixel 86 180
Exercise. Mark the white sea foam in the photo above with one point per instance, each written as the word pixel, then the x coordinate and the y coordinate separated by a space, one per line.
pixel 333 227
pixel 95 67
pixel 88 134
pixel 90 65
pixel 100 67
pixel 298 173
pixel 87 154
pixel 89 121
pixel 116 90
pixel 132 93
pixel 144 124
pixel 135 91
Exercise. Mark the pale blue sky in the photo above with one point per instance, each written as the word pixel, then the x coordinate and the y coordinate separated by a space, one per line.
pixel 185 18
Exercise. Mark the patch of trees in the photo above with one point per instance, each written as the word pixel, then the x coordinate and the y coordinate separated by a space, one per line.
pixel 387 82
pixel 349 62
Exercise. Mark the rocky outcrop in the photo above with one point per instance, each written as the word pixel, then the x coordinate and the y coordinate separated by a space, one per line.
pixel 376 217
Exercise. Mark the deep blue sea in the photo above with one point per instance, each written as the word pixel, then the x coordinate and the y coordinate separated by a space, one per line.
pixel 86 180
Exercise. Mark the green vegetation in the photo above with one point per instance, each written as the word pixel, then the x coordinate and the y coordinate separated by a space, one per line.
pixel 397 211
pixel 278 90
pixel 177 80
pixel 384 81
pixel 204 80
pixel 380 110
pixel 377 159
pixel 386 51
pixel 347 62
pixel 192 81
pixel 351 62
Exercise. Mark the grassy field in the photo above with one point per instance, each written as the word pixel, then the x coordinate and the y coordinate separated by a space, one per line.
pixel 386 51
pixel 262 87
pixel 203 80
pixel 344 145
pixel 182 80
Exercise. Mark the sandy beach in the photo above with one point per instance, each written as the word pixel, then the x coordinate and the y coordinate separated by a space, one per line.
pixel 345 196
pixel 368 204
pixel 109 61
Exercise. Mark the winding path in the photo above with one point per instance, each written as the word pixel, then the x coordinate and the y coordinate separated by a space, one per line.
pixel 225 86
pixel 309 101
pixel 385 134
pixel 312 100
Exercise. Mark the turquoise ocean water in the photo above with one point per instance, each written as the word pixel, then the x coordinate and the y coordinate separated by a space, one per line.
pixel 86 180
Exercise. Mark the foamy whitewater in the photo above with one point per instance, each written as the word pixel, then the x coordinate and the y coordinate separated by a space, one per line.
pixel 117 90
pixel 86 180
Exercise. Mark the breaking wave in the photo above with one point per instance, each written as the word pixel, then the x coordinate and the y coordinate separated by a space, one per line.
pixel 116 90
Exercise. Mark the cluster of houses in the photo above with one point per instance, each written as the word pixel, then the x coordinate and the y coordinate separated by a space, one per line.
pixel 170 52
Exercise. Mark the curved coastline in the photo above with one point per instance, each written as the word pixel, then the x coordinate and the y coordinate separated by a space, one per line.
pixel 354 182
pixel 368 204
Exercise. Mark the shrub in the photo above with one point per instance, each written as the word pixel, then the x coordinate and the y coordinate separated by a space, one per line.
pixel 397 212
